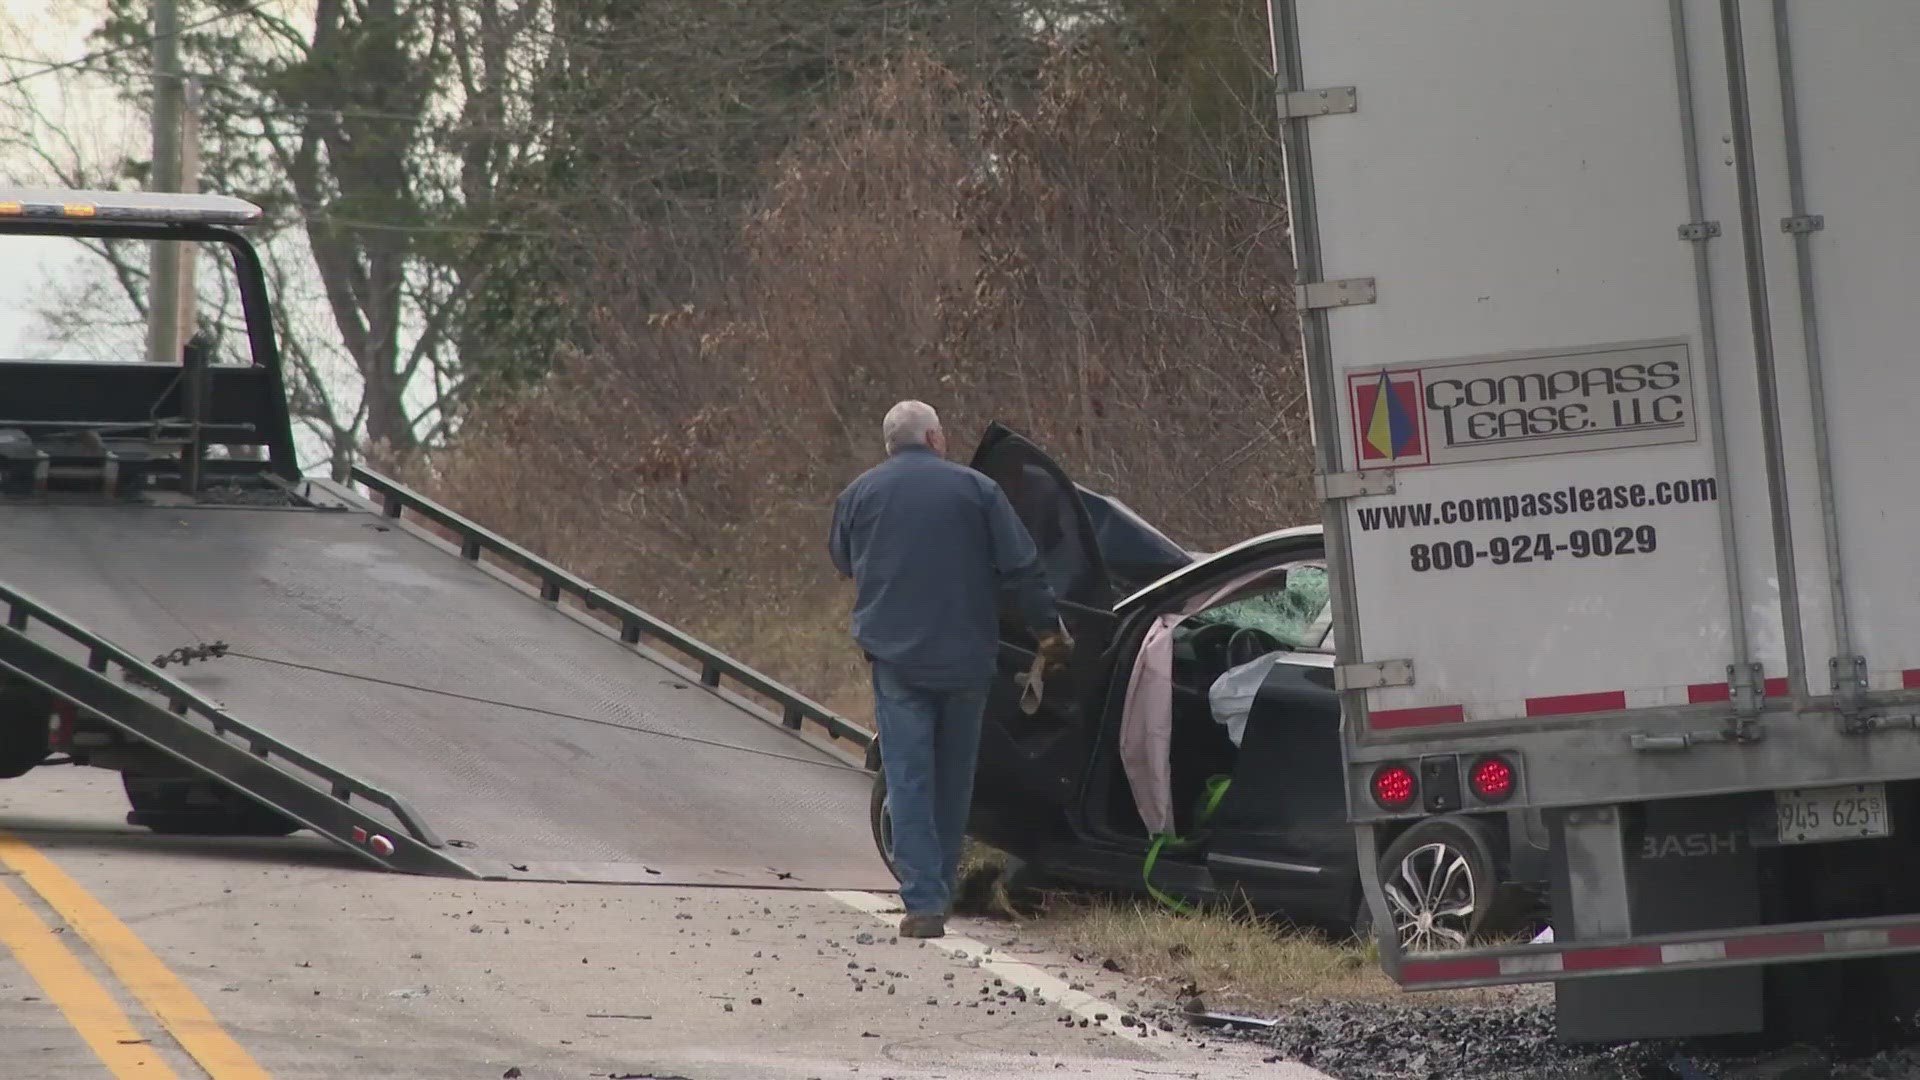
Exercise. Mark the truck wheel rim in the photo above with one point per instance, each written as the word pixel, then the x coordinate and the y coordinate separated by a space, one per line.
pixel 1432 895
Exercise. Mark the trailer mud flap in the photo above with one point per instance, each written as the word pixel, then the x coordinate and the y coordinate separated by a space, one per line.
pixel 1682 866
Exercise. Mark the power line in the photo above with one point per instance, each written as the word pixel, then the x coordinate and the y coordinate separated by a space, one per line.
pixel 141 43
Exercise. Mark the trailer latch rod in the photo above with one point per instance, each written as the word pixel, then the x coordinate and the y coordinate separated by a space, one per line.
pixel 1735 735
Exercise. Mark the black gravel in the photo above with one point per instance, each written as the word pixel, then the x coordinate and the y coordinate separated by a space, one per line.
pixel 1401 1041
pixel 1361 1041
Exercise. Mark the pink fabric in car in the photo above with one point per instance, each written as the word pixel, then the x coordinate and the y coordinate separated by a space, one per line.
pixel 1146 720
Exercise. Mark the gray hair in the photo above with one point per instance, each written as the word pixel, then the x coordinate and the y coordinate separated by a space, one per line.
pixel 908 424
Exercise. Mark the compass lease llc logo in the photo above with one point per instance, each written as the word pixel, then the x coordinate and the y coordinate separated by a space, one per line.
pixel 1389 418
pixel 1521 405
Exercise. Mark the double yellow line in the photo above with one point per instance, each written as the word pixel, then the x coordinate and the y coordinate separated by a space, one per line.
pixel 88 1005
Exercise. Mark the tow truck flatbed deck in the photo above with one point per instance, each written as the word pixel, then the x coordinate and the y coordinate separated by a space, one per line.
pixel 529 736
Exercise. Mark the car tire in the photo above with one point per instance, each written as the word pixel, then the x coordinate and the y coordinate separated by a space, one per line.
pixel 877 820
pixel 1441 885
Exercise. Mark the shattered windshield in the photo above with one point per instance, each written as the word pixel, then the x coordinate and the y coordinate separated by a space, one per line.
pixel 1288 611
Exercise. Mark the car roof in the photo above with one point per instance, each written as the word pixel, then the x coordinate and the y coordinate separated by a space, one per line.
pixel 1249 550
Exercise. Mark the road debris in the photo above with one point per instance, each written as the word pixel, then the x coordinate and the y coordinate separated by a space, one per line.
pixel 1514 1040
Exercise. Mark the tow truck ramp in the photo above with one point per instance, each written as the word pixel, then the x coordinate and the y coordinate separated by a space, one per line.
pixel 429 708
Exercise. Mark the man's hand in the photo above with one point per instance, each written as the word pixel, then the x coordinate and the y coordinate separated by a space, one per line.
pixel 1056 647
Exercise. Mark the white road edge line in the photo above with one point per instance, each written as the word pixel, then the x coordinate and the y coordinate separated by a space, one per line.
pixel 1017 973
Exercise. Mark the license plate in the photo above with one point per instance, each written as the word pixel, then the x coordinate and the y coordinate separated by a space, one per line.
pixel 1818 815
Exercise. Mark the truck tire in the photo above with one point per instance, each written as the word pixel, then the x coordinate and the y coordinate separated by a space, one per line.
pixel 1441 884
pixel 24 711
pixel 877 820
pixel 193 806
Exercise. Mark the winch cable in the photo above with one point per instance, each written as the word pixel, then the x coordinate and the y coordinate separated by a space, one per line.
pixel 537 710
pixel 106 570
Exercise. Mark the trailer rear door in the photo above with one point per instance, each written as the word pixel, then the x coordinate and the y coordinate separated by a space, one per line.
pixel 1540 372
pixel 1837 148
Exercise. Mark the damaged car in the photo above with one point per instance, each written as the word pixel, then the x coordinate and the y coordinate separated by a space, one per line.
pixel 1191 750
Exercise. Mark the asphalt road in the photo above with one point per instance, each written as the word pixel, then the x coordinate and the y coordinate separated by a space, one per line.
pixel 135 957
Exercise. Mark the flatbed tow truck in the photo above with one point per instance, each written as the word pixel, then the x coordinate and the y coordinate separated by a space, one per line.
pixel 257 652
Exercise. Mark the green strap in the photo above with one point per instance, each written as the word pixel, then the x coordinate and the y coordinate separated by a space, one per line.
pixel 1146 875
pixel 1214 790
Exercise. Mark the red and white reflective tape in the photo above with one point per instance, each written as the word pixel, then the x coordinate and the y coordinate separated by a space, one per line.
pixel 1571 704
pixel 1736 948
pixel 1705 693
pixel 1428 716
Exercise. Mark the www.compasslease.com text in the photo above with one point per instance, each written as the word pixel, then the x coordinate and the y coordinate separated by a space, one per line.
pixel 1573 499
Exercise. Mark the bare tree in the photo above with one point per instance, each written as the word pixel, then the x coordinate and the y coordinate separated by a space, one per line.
pixel 1078 258
pixel 377 136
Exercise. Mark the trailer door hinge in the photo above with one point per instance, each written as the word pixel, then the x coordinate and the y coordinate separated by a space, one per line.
pixel 1804 223
pixel 1849 672
pixel 1353 485
pixel 1746 690
pixel 1371 675
pixel 1347 292
pixel 1295 104
pixel 1699 230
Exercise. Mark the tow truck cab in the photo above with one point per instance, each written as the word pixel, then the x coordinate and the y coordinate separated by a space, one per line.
pixel 211 427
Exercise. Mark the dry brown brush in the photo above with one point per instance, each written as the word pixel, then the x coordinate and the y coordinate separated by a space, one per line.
pixel 1079 264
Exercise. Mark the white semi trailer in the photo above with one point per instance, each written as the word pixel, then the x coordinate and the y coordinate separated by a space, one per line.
pixel 1612 319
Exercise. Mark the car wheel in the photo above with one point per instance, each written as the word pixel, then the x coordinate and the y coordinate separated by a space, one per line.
pixel 882 825
pixel 1440 885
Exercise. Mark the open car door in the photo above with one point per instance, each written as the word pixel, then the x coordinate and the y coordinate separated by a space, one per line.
pixel 1043 755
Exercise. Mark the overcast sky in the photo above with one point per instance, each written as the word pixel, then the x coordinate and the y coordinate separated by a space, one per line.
pixel 38 272
pixel 36 29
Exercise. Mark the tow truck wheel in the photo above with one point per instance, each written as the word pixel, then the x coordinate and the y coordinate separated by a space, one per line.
pixel 23 730
pixel 190 806
pixel 881 824
pixel 1440 885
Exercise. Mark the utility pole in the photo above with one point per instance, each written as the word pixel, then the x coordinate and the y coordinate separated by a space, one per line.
pixel 163 281
pixel 188 254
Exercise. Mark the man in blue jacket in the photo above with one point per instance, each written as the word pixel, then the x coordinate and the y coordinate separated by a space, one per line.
pixel 931 547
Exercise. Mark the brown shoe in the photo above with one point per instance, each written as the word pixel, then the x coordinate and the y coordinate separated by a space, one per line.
pixel 923 926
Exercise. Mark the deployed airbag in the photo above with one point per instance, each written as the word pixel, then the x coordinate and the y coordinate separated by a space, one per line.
pixel 1231 695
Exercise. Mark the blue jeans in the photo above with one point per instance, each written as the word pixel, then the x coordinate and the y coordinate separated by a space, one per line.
pixel 929 744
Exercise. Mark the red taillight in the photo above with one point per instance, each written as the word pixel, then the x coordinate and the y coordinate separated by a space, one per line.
pixel 1393 787
pixel 60 725
pixel 1492 779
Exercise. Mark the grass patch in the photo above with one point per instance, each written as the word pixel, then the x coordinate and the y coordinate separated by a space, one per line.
pixel 1230 960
